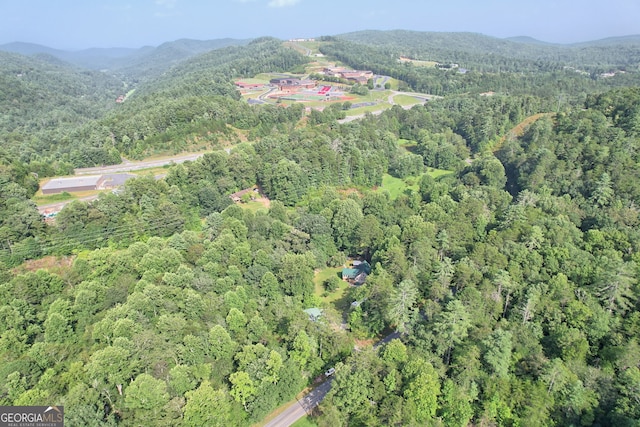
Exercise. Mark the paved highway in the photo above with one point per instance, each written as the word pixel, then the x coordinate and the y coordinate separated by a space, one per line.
pixel 134 166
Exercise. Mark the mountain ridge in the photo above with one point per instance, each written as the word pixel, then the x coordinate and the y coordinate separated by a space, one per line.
pixel 148 59
pixel 28 48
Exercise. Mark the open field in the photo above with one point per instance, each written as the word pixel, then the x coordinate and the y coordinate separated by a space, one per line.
pixel 397 186
pixel 255 205
pixel 418 63
pixel 253 80
pixel 40 199
pixel 395 83
pixel 407 145
pixel 405 100
pixel 437 173
pixel 320 278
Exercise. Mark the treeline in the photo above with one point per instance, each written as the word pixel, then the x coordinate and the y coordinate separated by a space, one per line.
pixel 59 115
pixel 547 82
pixel 284 160
pixel 489 54
pixel 194 103
pixel 42 100
pixel 515 307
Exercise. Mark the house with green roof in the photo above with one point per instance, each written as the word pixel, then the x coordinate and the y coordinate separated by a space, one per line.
pixel 358 273
pixel 314 313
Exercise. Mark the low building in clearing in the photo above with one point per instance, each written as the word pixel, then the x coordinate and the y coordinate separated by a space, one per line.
pixel 71 185
pixel 314 313
pixel 85 183
pixel 249 86
pixel 237 197
pixel 357 275
pixel 292 85
pixel 357 76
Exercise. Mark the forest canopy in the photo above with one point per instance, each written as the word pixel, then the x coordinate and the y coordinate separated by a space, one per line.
pixel 505 256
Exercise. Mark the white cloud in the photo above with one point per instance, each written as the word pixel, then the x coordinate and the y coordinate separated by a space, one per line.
pixel 282 3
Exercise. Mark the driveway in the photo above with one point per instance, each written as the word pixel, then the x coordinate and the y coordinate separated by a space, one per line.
pixel 305 405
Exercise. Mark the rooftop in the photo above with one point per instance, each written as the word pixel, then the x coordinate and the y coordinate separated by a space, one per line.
pixel 80 181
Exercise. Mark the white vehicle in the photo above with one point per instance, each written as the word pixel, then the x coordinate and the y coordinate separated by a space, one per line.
pixel 330 372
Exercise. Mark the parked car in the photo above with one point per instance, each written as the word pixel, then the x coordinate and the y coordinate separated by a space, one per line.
pixel 330 372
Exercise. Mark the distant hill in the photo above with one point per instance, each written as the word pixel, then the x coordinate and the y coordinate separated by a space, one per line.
pixel 154 61
pixel 30 49
pixel 529 40
pixel 42 95
pixel 137 63
pixel 612 41
pixel 473 50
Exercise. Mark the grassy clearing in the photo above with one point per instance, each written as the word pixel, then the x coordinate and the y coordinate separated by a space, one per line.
pixel 40 199
pixel 128 94
pixel 395 83
pixel 418 63
pixel 255 205
pixel 320 278
pixel 253 80
pixel 268 76
pixel 405 100
pixel 408 145
pixel 437 173
pixel 305 422
pixel 397 186
pixel 338 298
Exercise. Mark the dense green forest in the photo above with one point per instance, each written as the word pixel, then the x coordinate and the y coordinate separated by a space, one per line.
pixel 512 277
pixel 489 64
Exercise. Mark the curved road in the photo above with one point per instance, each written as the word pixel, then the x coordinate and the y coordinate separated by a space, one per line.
pixel 302 407
pixel 420 97
pixel 305 405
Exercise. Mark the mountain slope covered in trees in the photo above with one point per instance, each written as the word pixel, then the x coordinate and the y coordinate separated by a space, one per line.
pixel 134 64
pixel 478 51
pixel 508 262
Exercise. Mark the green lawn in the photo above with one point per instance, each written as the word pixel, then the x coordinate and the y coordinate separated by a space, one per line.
pixel 53 198
pixel 437 173
pixel 397 186
pixel 254 206
pixel 428 64
pixel 405 100
pixel 305 422
pixel 253 80
pixel 408 144
pixel 339 299
pixel 323 275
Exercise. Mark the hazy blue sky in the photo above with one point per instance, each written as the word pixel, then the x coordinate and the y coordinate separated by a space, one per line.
pixel 134 23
